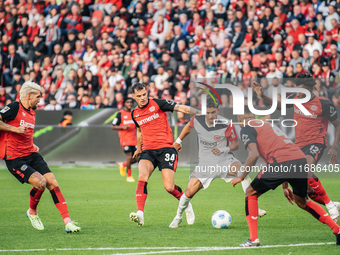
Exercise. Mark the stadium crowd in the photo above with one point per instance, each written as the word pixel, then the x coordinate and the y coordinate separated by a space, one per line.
pixel 87 53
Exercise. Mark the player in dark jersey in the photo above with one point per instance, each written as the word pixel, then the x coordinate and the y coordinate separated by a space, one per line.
pixel 286 163
pixel 154 146
pixel 17 122
pixel 310 136
pixel 127 134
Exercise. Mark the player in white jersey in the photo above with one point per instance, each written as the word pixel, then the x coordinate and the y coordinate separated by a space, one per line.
pixel 217 139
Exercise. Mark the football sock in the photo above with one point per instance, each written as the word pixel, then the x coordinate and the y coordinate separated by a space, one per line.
pixel 252 216
pixel 183 204
pixel 245 183
pixel 129 172
pixel 316 198
pixel 176 192
pixel 141 194
pixel 35 195
pixel 319 189
pixel 321 215
pixel 60 203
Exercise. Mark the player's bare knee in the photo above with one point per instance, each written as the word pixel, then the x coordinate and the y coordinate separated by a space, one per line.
pixel 169 187
pixel 41 184
pixel 251 192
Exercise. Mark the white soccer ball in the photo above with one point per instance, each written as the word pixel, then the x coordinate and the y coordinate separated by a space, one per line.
pixel 221 219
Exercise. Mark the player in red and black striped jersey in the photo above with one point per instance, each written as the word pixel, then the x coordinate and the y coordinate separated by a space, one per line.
pixel 310 135
pixel 127 134
pixel 286 164
pixel 17 122
pixel 154 145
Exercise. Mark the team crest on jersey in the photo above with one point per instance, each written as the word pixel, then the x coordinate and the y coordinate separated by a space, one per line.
pixel 313 107
pixel 217 137
pixel 5 109
pixel 152 109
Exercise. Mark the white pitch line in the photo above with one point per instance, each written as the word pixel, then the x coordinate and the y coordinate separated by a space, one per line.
pixel 167 249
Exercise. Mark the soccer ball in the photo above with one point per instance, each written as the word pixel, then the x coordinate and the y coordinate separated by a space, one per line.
pixel 221 219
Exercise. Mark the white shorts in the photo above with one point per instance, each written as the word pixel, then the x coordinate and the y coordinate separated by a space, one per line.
pixel 206 173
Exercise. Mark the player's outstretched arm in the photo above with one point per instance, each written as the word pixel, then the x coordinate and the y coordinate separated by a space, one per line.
pixel 139 144
pixel 10 128
pixel 253 155
pixel 178 143
pixel 186 109
pixel 334 150
pixel 114 127
pixel 258 90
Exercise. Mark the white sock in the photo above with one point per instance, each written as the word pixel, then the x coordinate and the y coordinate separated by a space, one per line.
pixel 183 204
pixel 246 183
pixel 330 205
pixel 140 213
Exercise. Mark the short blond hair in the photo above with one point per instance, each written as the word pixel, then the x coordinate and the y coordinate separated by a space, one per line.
pixel 29 87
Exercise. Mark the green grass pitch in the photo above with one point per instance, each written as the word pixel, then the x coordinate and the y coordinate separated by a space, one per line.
pixel 101 201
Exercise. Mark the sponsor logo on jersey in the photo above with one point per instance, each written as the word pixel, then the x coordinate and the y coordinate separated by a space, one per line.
pixel 152 109
pixel 297 111
pixel 208 144
pixel 23 168
pixel 314 108
pixel 26 124
pixel 148 119
pixel 217 137
pixel 125 117
pixel 23 114
pixel 127 122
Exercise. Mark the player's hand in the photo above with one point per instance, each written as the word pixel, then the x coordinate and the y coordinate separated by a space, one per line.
pixel 177 146
pixel 257 88
pixel 21 130
pixel 136 154
pixel 36 148
pixel 125 127
pixel 289 195
pixel 235 181
pixel 216 151
pixel 334 155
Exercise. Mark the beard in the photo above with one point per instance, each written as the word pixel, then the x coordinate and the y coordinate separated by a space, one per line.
pixel 34 107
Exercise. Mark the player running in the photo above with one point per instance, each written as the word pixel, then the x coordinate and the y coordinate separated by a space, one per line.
pixel 310 135
pixel 154 145
pixel 286 163
pixel 127 134
pixel 17 121
pixel 216 140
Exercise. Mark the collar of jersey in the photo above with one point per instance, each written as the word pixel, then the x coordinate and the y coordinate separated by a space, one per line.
pixel 144 105
pixel 24 107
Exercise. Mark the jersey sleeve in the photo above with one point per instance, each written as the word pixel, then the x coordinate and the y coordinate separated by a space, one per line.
pixel 192 121
pixel 134 119
pixel 165 105
pixel 248 135
pixel 9 112
pixel 291 96
pixel 230 133
pixel 328 110
pixel 117 119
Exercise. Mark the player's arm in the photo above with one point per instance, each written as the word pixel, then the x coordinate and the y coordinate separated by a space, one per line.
pixel 288 193
pixel 139 143
pixel 231 135
pixel 10 128
pixel 185 131
pixel 116 123
pixel 8 113
pixel 186 109
pixel 259 92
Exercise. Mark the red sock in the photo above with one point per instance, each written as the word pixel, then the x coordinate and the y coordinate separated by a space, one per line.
pixel 35 195
pixel 141 194
pixel 177 192
pixel 320 214
pixel 129 172
pixel 319 189
pixel 316 198
pixel 124 164
pixel 60 203
pixel 252 211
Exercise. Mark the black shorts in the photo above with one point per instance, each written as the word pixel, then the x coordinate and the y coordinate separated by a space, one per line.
pixel 294 172
pixel 164 158
pixel 128 149
pixel 315 150
pixel 23 168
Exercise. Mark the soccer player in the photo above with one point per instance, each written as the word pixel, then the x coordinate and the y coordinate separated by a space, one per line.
pixel 17 121
pixel 310 135
pixel 286 163
pixel 154 145
pixel 127 135
pixel 216 139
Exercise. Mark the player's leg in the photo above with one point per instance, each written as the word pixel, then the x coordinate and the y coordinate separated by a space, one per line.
pixel 320 195
pixel 129 177
pixel 193 187
pixel 145 168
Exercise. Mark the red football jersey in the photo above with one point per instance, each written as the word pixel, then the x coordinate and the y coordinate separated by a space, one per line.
pixel 127 137
pixel 13 145
pixel 273 144
pixel 313 128
pixel 153 122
